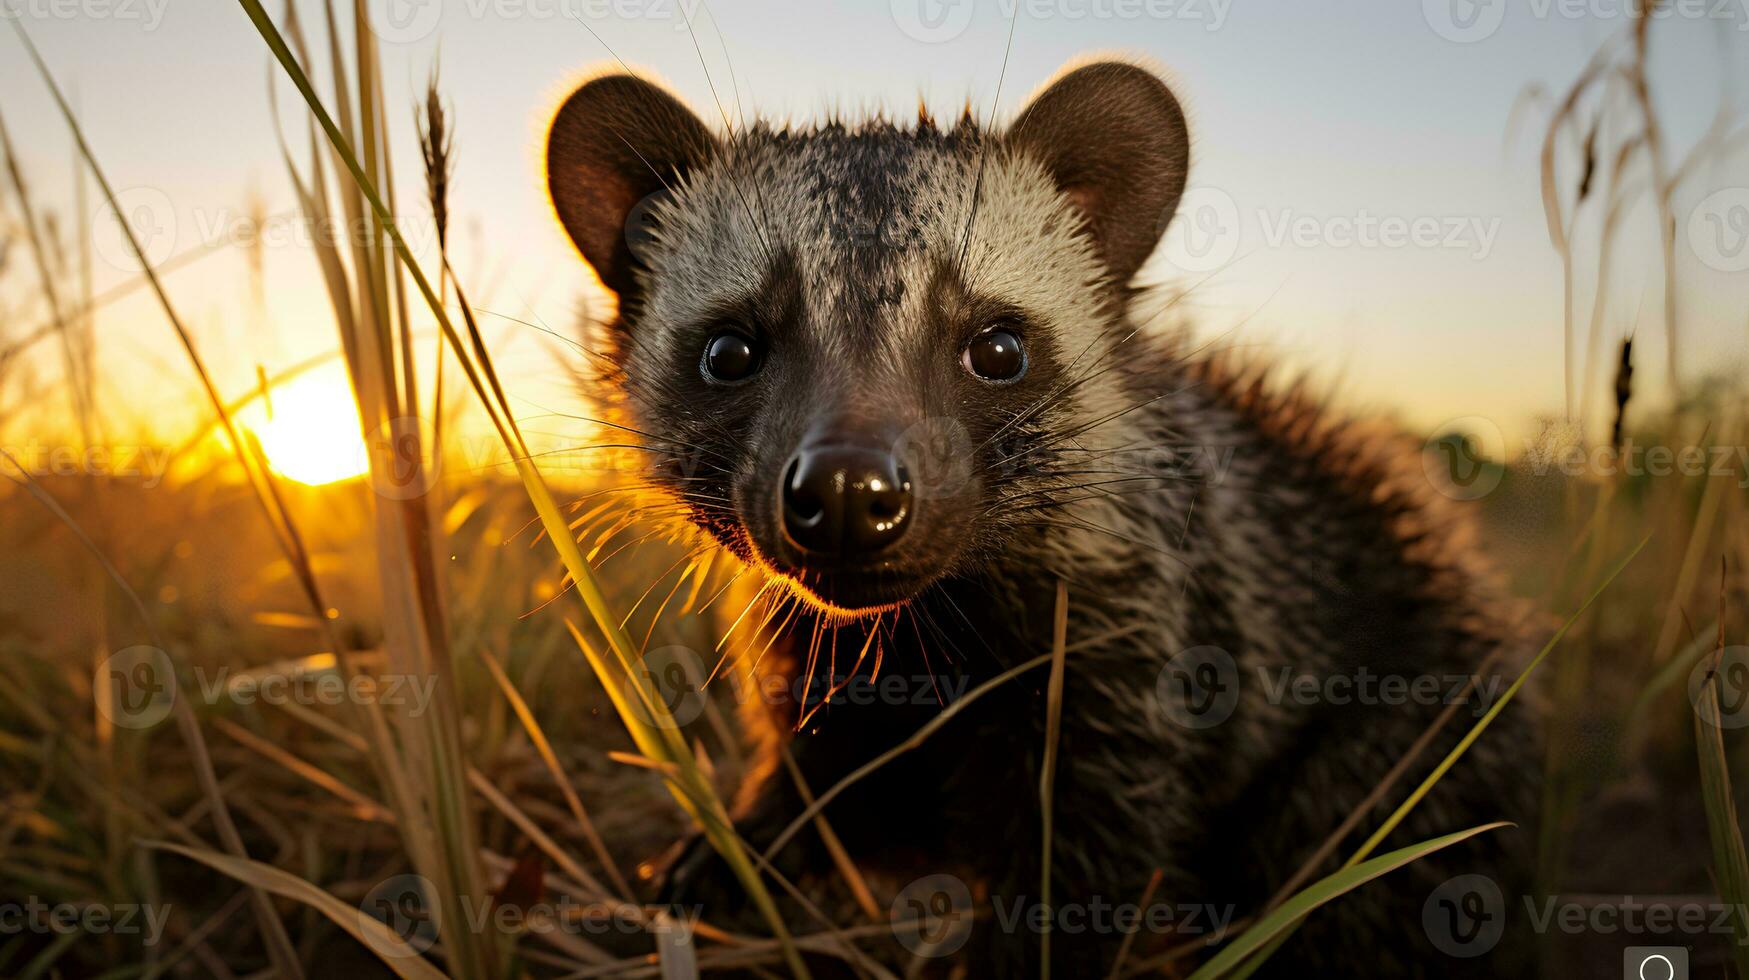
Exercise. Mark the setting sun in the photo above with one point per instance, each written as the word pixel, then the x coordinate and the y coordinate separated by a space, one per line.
pixel 311 434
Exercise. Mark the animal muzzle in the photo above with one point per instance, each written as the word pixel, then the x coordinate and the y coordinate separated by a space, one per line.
pixel 843 503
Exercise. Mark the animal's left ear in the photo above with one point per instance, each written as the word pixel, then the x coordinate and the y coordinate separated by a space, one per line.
pixel 1114 138
pixel 614 142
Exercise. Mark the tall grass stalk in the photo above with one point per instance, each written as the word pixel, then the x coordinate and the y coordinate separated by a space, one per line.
pixel 1047 786
pixel 1730 859
pixel 658 738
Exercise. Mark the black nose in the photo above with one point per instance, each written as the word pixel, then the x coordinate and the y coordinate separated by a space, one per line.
pixel 845 501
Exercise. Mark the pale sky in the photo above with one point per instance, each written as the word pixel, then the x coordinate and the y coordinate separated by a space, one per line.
pixel 1374 217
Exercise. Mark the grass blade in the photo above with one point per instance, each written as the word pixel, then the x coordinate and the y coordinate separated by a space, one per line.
pixel 1730 861
pixel 1322 892
pixel 403 959
pixel 1047 784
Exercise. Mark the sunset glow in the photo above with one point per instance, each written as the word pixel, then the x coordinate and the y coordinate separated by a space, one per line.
pixel 311 435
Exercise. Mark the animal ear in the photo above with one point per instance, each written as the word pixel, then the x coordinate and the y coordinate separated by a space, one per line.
pixel 617 140
pixel 1114 138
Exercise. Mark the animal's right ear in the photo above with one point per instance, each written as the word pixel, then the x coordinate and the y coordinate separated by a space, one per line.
pixel 615 141
pixel 1114 138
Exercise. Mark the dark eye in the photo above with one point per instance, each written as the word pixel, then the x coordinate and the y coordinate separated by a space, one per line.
pixel 995 355
pixel 730 357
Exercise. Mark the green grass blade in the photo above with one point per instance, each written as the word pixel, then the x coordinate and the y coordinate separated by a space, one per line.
pixel 1321 892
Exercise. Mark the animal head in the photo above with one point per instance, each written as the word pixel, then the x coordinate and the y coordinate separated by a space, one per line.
pixel 866 357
